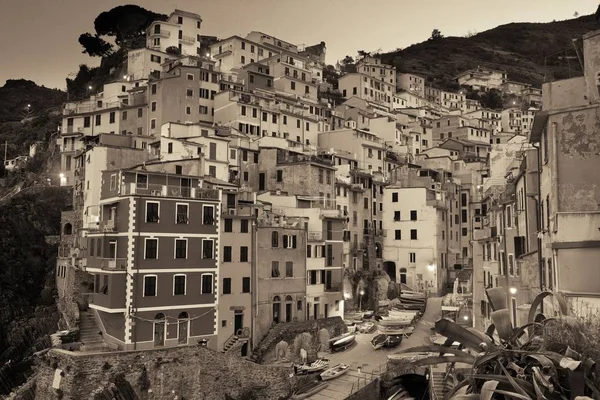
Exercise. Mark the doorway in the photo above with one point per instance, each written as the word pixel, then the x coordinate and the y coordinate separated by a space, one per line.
pixel 238 322
pixel 316 310
pixel 326 310
pixel 159 329
pixel 183 323
pixel 244 349
pixel 261 181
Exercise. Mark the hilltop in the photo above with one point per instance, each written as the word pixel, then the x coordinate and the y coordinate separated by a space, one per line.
pixel 529 52
pixel 16 94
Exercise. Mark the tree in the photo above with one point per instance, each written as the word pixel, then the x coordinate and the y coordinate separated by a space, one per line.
pixel 436 34
pixel 126 24
pixel 94 45
pixel 173 50
pixel 492 99
pixel 348 65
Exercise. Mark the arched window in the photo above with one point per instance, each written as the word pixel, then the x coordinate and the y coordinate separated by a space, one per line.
pixel 403 275
pixel 276 309
pixel 68 229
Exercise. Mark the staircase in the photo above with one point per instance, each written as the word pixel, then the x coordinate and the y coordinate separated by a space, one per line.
pixel 90 335
pixel 229 343
pixel 234 339
pixel 438 387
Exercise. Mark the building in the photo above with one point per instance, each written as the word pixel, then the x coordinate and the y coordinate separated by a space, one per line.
pixel 154 255
pixel 482 79
pixel 410 83
pixel 180 31
pixel 373 81
pixel 461 128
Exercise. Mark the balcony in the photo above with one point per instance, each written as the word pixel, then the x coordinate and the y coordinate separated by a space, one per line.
pixel 161 33
pixel 333 287
pixel 113 264
pixel 291 159
pixel 315 236
pixel 89 107
pixel 169 191
pixel 187 39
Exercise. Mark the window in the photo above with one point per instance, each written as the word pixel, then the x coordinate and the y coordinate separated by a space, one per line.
pixel 463 214
pixel 413 234
pixel 509 217
pixel 246 285
pixel 395 197
pixel 151 252
pixel 511 264
pixel 289 241
pixel 226 286
pixel 152 209
pixel 208 215
pixel 413 215
pixel 244 254
pixel 289 269
pixel 188 110
pixel 208 248
pixel 178 285
pixel 228 227
pixel 111 118
pixel 98 120
pixel 149 285
pixel 244 226
pixel 182 213
pixel 412 257
pixel 464 232
pixel 398 234
pixel 86 122
pixel 275 269
pixel 396 215
pixel 227 254
pixel 206 286
pixel 293 85
pixel 279 175
pixel 274 239
pixel 180 248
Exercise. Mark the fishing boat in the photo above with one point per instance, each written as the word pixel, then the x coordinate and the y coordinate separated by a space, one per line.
pixel 305 391
pixel 383 340
pixel 334 372
pixel 366 327
pixel 317 366
pixel 342 342
pixel 350 325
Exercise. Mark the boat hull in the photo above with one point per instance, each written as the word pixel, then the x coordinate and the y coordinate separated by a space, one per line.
pixel 334 372
pixel 310 391
pixel 342 343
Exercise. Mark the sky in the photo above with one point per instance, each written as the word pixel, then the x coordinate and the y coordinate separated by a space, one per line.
pixel 43 47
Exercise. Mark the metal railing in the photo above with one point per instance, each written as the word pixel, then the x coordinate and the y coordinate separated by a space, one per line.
pixel 169 191
pixel 366 377
pixel 113 264
pixel 161 33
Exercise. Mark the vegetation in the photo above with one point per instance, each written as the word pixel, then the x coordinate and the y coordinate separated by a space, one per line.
pixel 21 98
pixel 521 363
pixel 529 52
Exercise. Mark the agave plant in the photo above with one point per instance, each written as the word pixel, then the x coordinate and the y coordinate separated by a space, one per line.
pixel 517 365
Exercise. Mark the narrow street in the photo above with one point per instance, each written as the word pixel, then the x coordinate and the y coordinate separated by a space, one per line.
pixel 372 362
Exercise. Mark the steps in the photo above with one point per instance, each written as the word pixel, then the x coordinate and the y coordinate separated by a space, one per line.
pixel 438 387
pixel 229 344
pixel 89 333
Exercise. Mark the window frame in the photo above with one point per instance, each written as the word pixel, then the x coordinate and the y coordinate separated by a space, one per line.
pixel 155 285
pixel 175 248
pixel 187 216
pixel 184 284
pixel 202 249
pixel 204 206
pixel 212 280
pixel 157 212
pixel 146 248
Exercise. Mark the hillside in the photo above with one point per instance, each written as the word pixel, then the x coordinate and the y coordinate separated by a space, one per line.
pixel 16 94
pixel 529 52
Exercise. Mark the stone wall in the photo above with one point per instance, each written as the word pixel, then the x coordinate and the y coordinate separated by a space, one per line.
pixel 190 372
pixel 72 296
pixel 289 332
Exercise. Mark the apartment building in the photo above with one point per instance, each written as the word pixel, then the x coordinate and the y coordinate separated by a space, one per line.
pixel 415 247
pixel 152 213
pixel 293 76
pixel 482 79
pixel 236 268
pixel 411 83
pixel 489 119
pixel 375 68
pixel 280 278
pixel 366 87
pixel 467 150
pixel 181 31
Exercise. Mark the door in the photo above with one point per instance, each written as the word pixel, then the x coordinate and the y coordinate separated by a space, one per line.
pixel 288 312
pixel 326 310
pixel 261 181
pixel 238 323
pixel 159 330
pixel 244 349
pixel 183 325
pixel 316 310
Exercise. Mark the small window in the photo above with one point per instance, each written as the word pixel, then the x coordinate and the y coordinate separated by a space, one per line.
pixel 244 226
pixel 227 254
pixel 179 285
pixel 394 197
pixel 413 234
pixel 289 269
pixel 245 285
pixel 190 77
pixel 275 269
pixel 180 248
pixel 274 239
pixel 152 210
pixel 413 215
pixel 226 286
pixel 244 254
pixel 151 251
pixel 398 234
pixel 228 226
pixel 396 215
pixel 150 286
pixel 208 215
pixel 207 284
pixel 208 247
pixel 141 181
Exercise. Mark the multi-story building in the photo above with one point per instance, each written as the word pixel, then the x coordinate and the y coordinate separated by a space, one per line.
pixel 482 79
pixel 411 83
pixel 181 31
pixel 154 257
pixel 279 279
pixel 373 81
pixel 461 128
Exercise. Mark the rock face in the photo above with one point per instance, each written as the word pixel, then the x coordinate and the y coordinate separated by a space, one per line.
pixel 189 372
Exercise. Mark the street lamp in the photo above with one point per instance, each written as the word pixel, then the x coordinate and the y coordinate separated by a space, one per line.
pixel 362 292
pixel 513 290
pixel 431 267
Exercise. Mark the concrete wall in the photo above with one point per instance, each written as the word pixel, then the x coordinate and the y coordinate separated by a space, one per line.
pixel 185 372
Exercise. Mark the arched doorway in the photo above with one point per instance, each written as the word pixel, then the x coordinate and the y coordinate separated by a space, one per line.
pixel 183 328
pixel 288 308
pixel 159 329
pixel 68 229
pixel 403 275
pixel 276 309
pixel 390 268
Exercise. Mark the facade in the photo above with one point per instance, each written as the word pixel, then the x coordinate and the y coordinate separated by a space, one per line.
pixel 411 83
pixel 154 257
pixel 482 79
pixel 181 30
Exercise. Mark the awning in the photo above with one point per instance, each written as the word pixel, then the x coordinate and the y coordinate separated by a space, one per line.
pixel 539 125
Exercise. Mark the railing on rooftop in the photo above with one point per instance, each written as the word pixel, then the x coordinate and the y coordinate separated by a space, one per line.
pixel 113 264
pixel 89 106
pixel 169 191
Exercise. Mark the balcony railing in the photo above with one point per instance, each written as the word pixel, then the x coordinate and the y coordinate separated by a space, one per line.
pixel 188 39
pixel 113 264
pixel 88 106
pixel 169 191
pixel 337 287
pixel 161 33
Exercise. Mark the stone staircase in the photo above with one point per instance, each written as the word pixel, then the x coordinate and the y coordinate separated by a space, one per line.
pixel 438 387
pixel 90 335
pixel 236 340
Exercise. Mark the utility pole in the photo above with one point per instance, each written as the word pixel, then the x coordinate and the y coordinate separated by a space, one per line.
pixel 5 149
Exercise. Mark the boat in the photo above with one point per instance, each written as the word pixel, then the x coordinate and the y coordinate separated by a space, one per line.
pixel 334 372
pixel 411 358
pixel 350 325
pixel 400 394
pixel 366 327
pixel 317 366
pixel 342 342
pixel 385 340
pixel 388 321
pixel 405 331
pixel 305 391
